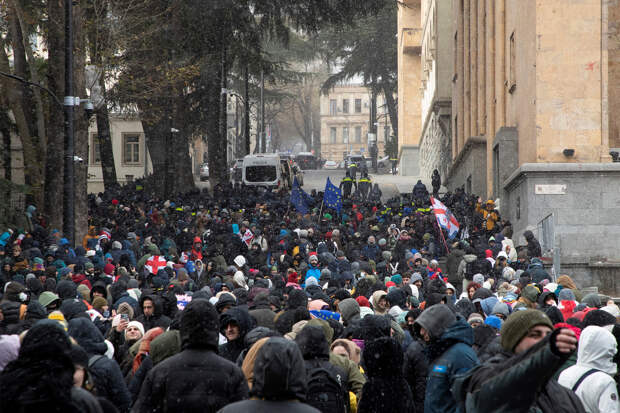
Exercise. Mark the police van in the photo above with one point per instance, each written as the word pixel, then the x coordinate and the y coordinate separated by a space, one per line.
pixel 264 170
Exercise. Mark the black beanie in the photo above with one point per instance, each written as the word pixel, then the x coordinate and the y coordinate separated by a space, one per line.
pixel 598 318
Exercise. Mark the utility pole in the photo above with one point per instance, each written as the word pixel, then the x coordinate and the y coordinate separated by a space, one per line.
pixel 247 111
pixel 69 143
pixel 372 144
pixel 263 145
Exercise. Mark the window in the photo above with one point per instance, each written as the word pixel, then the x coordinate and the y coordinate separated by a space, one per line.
pixel 131 148
pixel 358 105
pixel 358 134
pixel 332 135
pixel 333 107
pixel 261 173
pixel 512 85
pixel 345 135
pixel 345 105
pixel 95 150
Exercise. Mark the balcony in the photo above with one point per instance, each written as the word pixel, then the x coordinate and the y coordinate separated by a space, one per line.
pixel 411 41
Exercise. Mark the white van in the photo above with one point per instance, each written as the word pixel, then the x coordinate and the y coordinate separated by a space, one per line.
pixel 263 170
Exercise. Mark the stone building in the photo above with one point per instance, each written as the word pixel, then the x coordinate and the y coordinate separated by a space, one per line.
pixel 534 102
pixel 409 86
pixel 345 120
pixel 436 88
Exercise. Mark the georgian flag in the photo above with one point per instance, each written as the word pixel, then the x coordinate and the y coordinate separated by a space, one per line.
pixel 445 219
pixel 155 263
pixel 247 237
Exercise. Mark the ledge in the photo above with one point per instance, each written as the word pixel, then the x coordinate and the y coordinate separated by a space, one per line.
pixel 539 168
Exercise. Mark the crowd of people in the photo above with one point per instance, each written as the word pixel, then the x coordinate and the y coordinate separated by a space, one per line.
pixel 233 301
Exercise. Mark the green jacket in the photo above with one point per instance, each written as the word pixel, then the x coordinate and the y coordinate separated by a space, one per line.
pixel 356 378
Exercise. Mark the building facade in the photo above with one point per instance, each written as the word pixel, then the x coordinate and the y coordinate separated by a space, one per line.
pixel 131 155
pixel 345 120
pixel 436 87
pixel 534 118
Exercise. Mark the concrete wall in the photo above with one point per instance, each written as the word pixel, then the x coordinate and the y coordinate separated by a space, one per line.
pixel 585 214
pixel 470 165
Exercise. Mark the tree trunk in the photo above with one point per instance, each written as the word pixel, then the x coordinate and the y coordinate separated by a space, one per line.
pixel 32 169
pixel 155 134
pixel 55 125
pixel 388 94
pixel 216 142
pixel 105 142
pixel 81 126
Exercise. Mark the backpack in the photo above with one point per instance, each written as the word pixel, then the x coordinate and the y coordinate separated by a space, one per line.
pixel 470 269
pixel 327 390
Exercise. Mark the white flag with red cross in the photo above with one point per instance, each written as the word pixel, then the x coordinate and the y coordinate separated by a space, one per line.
pixel 445 219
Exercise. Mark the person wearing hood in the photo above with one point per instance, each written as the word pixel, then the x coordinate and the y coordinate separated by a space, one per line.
pixel 107 376
pixel 592 377
pixel 350 311
pixel 379 302
pixel 465 269
pixel 234 325
pixel 386 389
pixel 520 377
pixel 314 348
pixel 449 339
pixel 279 381
pixel 533 246
pixel 261 310
pixel 152 313
pixel 41 377
pixel 196 379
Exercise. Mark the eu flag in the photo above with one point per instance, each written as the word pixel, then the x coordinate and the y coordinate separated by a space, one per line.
pixel 298 199
pixel 333 196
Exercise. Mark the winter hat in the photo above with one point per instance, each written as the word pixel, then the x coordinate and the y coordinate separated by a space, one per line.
pixel 125 308
pixel 478 279
pixel 397 279
pixel 362 301
pixel 386 255
pixel 531 293
pixel 598 318
pixel 501 308
pixel 475 318
pixel 109 269
pixel 239 260
pixel 566 294
pixel 518 325
pixel 416 276
pixel 493 321
pixel 592 300
pixel 313 257
pixel 326 274
pixel 47 297
pixel 612 309
pixel 435 320
pixel 575 329
pixel 137 325
pixel 382 242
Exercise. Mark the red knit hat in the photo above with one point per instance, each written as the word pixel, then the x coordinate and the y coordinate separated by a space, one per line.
pixel 575 329
pixel 109 269
pixel 363 301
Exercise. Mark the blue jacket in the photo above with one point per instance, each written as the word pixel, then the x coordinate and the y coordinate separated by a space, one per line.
pixel 458 358
pixel 313 272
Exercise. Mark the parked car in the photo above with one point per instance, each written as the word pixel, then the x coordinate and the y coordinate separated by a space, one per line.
pixel 330 165
pixel 204 172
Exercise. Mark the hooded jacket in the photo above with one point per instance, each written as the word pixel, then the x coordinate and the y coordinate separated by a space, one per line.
pixel 374 300
pixel 109 381
pixel 158 319
pixel 197 379
pixel 449 356
pixel 279 381
pixel 597 392
pixel 232 349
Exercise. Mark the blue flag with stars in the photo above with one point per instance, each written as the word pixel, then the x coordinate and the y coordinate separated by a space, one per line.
pixel 298 198
pixel 333 196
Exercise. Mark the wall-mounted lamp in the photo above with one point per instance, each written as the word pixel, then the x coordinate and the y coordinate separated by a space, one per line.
pixel 568 152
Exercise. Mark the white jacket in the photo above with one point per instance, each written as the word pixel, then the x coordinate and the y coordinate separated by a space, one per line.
pixel 597 347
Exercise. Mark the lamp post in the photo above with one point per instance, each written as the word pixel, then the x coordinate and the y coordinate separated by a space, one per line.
pixel 68 198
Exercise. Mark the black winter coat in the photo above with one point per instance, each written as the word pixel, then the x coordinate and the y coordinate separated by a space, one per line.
pixel 415 370
pixel 231 350
pixel 192 381
pixel 518 383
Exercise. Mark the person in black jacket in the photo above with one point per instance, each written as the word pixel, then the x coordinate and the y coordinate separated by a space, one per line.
pixel 234 325
pixel 279 381
pixel 386 390
pixel 520 378
pixel 152 313
pixel 533 246
pixel 416 370
pixel 197 379
pixel 106 373
pixel 315 351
